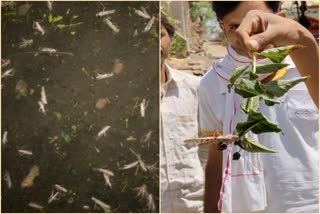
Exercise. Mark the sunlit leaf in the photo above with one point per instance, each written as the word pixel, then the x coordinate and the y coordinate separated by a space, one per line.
pixel 269 68
pixel 276 55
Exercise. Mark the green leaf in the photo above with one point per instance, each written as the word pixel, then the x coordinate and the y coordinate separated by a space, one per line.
pixel 58 115
pixel 251 103
pixel 269 68
pixel 251 145
pixel 66 137
pixel 279 87
pixel 268 100
pixel 264 124
pixel 249 88
pixel 276 55
pixel 50 18
pixel 257 123
pixel 245 127
pixel 72 33
pixel 56 19
pixel 61 26
pixel 236 74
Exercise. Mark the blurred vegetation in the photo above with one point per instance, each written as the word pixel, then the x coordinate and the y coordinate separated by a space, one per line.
pixel 178 45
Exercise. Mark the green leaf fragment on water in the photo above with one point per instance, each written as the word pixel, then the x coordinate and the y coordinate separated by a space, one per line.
pixel 74 128
pixel 10 13
pixel 72 33
pixel 251 145
pixel 279 87
pixel 61 26
pixel 58 115
pixel 75 16
pixel 236 74
pixel 66 137
pixel 50 17
pixel 276 55
pixel 135 33
pixel 56 19
pixel 269 68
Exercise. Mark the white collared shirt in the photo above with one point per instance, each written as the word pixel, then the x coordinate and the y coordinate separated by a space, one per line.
pixel 285 181
pixel 181 175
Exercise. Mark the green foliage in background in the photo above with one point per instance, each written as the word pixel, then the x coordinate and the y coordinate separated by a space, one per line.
pixel 201 11
pixel 178 45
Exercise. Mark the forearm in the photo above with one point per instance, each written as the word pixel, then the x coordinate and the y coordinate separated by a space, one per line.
pixel 307 62
pixel 213 180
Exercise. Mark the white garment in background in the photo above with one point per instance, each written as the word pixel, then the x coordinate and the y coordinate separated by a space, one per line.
pixel 286 181
pixel 181 175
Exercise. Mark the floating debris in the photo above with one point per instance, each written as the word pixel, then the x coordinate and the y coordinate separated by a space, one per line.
pixel 7 73
pixel 142 14
pixel 111 25
pixel 130 165
pixel 41 107
pixel 7 178
pixel 97 150
pixel 5 62
pixel 60 188
pixel 38 27
pixel 127 122
pixel 142 191
pixel 24 152
pixel 131 138
pixel 33 173
pixel 86 207
pixel 5 137
pixel 103 131
pixel 147 137
pixel 105 13
pixel 35 206
pixel 104 76
pixel 106 174
pixel 49 4
pixel 21 89
pixel 142 165
pixel 25 43
pixel 52 51
pixel 43 96
pixel 149 25
pixel 106 208
pixel 150 204
pixel 102 102
pixel 117 67
pixel 143 106
pixel 54 196
pixel 152 168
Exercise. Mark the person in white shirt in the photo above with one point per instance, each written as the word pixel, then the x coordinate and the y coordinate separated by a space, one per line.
pixel 181 174
pixel 285 181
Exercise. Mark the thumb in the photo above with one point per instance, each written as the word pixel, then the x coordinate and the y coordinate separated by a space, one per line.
pixel 260 41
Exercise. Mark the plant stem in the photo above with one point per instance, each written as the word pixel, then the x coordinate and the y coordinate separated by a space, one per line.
pixel 254 63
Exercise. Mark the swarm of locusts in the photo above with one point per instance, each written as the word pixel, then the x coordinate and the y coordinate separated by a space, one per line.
pixel 107 176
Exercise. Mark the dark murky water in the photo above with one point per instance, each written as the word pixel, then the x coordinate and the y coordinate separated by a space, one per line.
pixel 72 117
